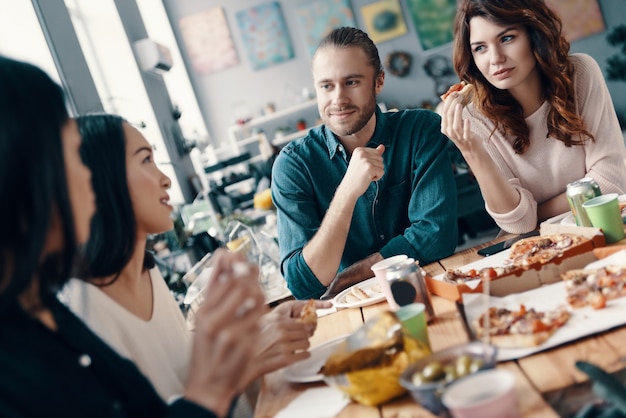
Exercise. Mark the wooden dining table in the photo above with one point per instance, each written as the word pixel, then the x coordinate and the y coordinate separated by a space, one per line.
pixel 544 379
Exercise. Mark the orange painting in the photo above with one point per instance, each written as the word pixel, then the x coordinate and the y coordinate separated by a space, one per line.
pixel 580 18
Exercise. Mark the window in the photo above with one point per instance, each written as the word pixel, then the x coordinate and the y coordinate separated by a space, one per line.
pixel 117 77
pixel 21 37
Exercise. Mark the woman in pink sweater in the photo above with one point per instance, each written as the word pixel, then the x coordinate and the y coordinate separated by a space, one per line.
pixel 539 117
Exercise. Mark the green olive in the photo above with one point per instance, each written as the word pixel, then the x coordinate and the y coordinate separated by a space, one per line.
pixel 450 373
pixel 477 363
pixel 433 371
pixel 418 378
pixel 463 363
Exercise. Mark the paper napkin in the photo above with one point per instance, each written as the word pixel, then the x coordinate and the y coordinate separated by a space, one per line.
pixel 321 402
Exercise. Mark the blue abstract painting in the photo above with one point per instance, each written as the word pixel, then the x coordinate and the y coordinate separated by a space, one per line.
pixel 318 18
pixel 264 34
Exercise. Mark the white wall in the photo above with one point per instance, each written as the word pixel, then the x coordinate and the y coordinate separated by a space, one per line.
pixel 225 95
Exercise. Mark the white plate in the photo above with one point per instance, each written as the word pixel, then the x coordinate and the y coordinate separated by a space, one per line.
pixel 308 370
pixel 369 286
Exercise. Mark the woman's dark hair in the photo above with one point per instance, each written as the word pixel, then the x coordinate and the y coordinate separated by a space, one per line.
pixel 348 37
pixel 113 234
pixel 33 183
pixel 551 51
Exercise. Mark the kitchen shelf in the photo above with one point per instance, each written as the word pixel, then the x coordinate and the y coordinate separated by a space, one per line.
pixel 283 140
pixel 274 115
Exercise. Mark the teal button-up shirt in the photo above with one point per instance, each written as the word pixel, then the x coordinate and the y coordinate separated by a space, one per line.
pixel 411 210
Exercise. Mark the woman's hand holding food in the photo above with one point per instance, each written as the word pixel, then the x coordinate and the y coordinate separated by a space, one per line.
pixel 285 334
pixel 458 130
pixel 226 333
pixel 499 194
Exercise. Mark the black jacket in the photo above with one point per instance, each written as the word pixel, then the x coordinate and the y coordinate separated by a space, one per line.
pixel 72 373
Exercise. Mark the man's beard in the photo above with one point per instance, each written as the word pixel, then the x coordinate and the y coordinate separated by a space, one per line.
pixel 354 127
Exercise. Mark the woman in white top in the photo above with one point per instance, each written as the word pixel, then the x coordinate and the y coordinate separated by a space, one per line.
pixel 539 118
pixel 125 300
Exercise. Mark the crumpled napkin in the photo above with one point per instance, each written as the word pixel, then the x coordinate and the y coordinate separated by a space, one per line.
pixel 319 402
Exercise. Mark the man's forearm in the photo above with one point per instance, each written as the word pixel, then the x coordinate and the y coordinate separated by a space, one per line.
pixel 352 275
pixel 324 251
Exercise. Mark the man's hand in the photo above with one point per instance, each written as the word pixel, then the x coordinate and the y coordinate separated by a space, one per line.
pixel 366 165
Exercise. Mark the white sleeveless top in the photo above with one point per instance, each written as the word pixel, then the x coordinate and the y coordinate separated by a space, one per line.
pixel 160 347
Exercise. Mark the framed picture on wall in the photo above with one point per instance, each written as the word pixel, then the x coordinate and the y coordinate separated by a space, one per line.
pixel 433 20
pixel 581 18
pixel 208 42
pixel 318 18
pixel 384 20
pixel 264 34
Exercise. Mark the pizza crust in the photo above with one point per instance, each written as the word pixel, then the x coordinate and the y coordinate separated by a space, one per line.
pixel 520 340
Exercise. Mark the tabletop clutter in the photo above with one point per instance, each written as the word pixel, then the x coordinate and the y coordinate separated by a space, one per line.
pixel 390 353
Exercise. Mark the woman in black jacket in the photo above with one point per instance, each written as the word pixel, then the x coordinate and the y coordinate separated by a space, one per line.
pixel 50 363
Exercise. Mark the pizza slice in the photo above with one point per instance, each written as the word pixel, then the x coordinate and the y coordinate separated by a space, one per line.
pixel 519 329
pixel 356 294
pixel 594 287
pixel 465 89
pixel 542 249
pixel 459 276
pixel 308 315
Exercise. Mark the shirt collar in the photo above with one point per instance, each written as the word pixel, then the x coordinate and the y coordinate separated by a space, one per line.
pixel 379 137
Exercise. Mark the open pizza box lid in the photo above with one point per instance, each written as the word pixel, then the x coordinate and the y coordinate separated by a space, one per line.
pixel 522 279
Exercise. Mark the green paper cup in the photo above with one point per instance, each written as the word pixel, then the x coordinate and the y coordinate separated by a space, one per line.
pixel 604 213
pixel 413 319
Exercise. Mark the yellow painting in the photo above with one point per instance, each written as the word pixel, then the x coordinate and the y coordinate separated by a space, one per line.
pixel 580 18
pixel 384 20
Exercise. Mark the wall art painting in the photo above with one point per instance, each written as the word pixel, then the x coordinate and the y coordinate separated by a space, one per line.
pixel 206 37
pixel 433 20
pixel 264 34
pixel 384 20
pixel 318 18
pixel 580 18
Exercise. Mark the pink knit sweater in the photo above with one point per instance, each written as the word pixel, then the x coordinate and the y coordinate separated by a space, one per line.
pixel 546 168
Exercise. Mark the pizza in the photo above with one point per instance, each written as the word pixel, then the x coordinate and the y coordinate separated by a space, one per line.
pixel 465 90
pixel 308 315
pixel 542 249
pixel 595 286
pixel 459 276
pixel 520 329
pixel 356 294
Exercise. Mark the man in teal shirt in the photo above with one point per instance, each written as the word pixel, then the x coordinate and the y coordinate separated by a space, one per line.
pixel 364 186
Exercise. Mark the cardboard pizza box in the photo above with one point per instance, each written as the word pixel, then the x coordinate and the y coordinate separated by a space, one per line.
pixel 518 280
pixel 524 278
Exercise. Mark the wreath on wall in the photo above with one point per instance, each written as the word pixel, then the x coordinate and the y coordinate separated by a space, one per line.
pixel 398 63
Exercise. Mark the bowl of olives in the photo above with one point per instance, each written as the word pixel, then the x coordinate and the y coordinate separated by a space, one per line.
pixel 426 378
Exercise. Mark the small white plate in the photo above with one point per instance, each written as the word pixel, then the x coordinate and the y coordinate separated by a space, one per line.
pixel 308 370
pixel 369 286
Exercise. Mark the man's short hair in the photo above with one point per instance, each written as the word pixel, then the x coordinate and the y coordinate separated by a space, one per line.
pixel 345 37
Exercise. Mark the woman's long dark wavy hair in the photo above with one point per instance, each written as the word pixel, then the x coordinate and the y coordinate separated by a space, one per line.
pixel 113 233
pixel 33 183
pixel 551 51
